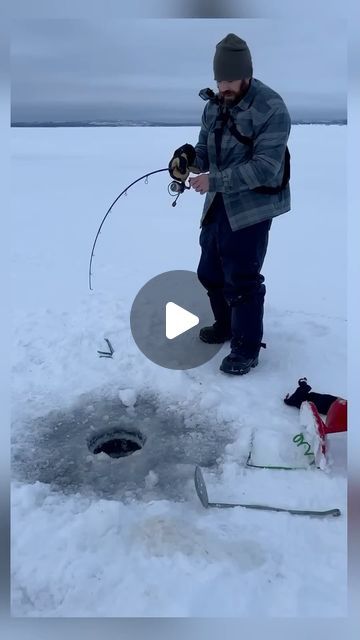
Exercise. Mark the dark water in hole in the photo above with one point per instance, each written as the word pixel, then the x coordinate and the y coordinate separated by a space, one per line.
pixel 54 449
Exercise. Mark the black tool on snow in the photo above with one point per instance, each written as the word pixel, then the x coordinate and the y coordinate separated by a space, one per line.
pixel 107 354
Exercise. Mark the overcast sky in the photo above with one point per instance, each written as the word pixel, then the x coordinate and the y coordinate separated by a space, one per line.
pixel 153 69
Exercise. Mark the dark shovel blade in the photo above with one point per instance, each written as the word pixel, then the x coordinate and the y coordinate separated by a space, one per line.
pixel 200 487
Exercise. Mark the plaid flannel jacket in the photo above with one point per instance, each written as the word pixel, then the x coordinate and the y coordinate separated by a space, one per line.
pixel 261 115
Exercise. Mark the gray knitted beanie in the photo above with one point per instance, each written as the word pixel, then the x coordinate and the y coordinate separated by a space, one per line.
pixel 232 60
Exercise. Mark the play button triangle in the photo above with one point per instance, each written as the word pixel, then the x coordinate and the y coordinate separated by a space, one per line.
pixel 178 320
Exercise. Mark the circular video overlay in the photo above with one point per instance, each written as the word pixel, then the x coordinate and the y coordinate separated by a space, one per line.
pixel 166 317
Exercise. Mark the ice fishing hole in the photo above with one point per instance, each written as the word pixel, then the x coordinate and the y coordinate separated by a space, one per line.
pixel 117 443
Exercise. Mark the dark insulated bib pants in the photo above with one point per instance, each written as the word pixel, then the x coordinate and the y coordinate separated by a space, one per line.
pixel 229 269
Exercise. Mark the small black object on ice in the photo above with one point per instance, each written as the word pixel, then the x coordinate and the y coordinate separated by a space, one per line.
pixel 107 354
pixel 117 443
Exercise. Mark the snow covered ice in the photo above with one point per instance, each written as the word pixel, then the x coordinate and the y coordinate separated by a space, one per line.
pixel 95 536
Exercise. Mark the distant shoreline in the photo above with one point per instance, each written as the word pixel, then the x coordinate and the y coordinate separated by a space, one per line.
pixel 134 123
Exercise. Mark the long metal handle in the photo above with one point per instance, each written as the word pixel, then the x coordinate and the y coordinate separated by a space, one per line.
pixel 330 512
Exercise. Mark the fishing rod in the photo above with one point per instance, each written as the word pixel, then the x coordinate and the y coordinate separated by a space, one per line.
pixel 175 188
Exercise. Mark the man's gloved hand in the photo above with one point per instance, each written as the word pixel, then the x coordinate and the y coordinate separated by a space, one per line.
pixel 180 163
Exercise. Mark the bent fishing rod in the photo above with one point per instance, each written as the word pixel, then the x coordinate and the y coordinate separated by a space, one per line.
pixel 175 188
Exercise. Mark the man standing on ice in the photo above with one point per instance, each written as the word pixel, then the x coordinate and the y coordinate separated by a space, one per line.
pixel 243 147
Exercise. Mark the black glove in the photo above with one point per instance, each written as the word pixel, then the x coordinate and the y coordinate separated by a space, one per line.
pixel 300 394
pixel 322 401
pixel 180 163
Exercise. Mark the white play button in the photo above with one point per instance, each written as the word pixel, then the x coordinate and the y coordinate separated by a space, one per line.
pixel 173 305
pixel 178 320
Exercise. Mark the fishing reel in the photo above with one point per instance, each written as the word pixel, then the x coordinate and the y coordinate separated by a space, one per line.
pixel 176 188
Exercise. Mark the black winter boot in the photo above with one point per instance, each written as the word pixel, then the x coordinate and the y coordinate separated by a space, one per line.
pixel 215 334
pixel 238 365
pixel 240 360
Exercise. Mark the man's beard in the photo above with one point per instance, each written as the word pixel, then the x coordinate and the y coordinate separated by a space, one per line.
pixel 231 97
